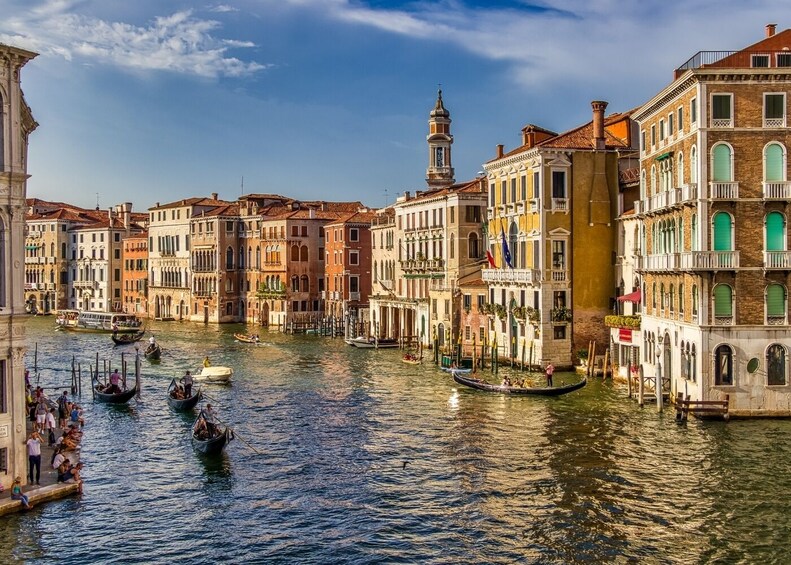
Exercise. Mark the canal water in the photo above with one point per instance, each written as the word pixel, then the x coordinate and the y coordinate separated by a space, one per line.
pixel 351 456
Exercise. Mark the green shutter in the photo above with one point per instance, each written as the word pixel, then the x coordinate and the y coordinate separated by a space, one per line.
pixel 774 163
pixel 722 232
pixel 722 163
pixel 774 232
pixel 722 300
pixel 775 300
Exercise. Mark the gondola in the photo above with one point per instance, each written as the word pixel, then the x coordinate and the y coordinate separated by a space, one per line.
pixel 186 403
pixel 247 338
pixel 153 352
pixel 112 398
pixel 459 370
pixel 411 359
pixel 122 339
pixel 216 444
pixel 540 391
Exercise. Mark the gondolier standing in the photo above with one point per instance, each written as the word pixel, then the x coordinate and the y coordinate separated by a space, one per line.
pixel 550 370
pixel 187 381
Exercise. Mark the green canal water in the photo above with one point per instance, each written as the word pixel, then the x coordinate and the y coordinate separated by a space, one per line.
pixel 352 456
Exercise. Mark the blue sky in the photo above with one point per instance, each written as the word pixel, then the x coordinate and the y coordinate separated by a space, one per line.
pixel 156 100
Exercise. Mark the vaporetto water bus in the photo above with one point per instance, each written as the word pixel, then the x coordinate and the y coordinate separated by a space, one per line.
pixel 99 322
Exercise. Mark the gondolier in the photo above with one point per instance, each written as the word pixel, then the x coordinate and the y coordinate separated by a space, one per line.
pixel 187 382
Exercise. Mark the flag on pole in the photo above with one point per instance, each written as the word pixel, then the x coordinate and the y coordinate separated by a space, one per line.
pixel 490 258
pixel 506 252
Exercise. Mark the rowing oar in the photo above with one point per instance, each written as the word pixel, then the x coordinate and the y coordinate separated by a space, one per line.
pixel 235 433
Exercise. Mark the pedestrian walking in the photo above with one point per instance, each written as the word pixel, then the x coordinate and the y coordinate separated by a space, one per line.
pixel 34 458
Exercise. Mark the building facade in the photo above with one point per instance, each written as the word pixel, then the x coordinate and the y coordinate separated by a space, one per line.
pixel 134 276
pixel 715 259
pixel 347 264
pixel 16 124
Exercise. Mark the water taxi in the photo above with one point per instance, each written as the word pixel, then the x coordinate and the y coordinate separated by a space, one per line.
pixel 98 322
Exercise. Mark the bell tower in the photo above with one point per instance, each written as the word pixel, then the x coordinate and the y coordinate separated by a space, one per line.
pixel 440 169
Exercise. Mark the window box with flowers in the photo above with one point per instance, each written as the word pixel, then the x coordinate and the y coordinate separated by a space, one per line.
pixel 560 314
pixel 499 311
pixel 519 312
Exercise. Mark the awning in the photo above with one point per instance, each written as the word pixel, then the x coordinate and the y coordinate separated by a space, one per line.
pixel 631 297
pixel 664 156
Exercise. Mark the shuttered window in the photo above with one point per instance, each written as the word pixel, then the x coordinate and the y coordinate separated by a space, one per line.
pixel 774 106
pixel 722 232
pixel 723 303
pixel 774 232
pixel 775 300
pixel 773 163
pixel 721 106
pixel 721 156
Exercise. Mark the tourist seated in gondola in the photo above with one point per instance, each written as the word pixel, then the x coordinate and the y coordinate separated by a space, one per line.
pixel 506 381
pixel 178 392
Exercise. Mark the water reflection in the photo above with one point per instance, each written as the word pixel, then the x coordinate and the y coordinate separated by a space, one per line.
pixel 352 456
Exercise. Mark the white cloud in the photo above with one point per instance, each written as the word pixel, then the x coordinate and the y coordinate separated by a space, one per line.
pixel 222 8
pixel 179 42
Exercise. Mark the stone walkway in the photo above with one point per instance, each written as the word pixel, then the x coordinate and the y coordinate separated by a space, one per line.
pixel 49 489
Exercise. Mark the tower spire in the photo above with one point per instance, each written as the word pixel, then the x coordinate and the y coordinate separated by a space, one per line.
pixel 440 171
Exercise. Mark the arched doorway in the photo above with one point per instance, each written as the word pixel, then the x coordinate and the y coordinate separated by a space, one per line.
pixel 441 335
pixel 265 314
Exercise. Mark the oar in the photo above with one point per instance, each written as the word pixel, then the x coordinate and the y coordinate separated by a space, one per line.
pixel 235 433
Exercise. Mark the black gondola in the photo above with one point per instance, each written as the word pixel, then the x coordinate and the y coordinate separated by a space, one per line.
pixel 183 404
pixel 540 391
pixel 153 351
pixel 122 339
pixel 206 443
pixel 112 398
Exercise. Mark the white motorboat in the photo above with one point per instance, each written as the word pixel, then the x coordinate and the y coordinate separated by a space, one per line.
pixel 214 374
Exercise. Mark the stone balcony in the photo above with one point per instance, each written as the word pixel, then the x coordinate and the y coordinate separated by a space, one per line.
pixel 511 276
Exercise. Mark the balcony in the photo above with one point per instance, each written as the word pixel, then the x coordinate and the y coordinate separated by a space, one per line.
pixel 777 190
pixel 86 284
pixel 517 276
pixel 436 264
pixel 743 59
pixel 31 286
pixel 689 192
pixel 659 262
pixel 354 296
pixel 560 204
pixel 770 123
pixel 559 276
pixel 724 190
pixel 777 259
pixel 709 260
pixel 534 205
pixel 638 207
pixel 722 122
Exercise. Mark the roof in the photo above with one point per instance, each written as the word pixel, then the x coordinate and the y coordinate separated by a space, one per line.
pixel 194 201
pixel 475 186
pixel 364 218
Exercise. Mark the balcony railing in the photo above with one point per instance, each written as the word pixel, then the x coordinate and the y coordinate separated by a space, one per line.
pixel 744 59
pixel 709 260
pixel 523 276
pixel 724 190
pixel 777 259
pixel 86 284
pixel 354 296
pixel 775 122
pixel 722 122
pixel 777 190
pixel 659 262
pixel 559 276
pixel 560 204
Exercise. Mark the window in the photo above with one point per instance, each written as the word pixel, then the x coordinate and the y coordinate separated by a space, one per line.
pixel 723 304
pixel 774 167
pixel 775 304
pixel 653 135
pixel 694 301
pixel 721 110
pixel 558 255
pixel 775 365
pixel 491 195
pixel 3 389
pixel 354 257
pixel 680 120
pixel 775 232
pixel 722 169
pixel 467 301
pixel 761 61
pixel 558 184
pixel 295 231
pixel 559 332
pixel 536 185
pixel 229 227
pixel 642 140
pixel 523 187
pixel 784 59
pixel 304 231
pixel 670 125
pixel 693 111
pixel 661 130
pixel 774 110
pixel 354 234
pixel 723 232
pixel 503 189
pixel 681 298
pixel 473 247
pixel 723 369
pixel 513 189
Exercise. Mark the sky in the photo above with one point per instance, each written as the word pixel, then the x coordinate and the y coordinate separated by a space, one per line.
pixel 157 100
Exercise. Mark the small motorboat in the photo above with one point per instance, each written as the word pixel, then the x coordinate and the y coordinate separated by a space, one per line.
pixel 207 437
pixel 214 374
pixel 252 338
pixel 111 397
pixel 153 352
pixel 363 342
pixel 182 404
pixel 411 359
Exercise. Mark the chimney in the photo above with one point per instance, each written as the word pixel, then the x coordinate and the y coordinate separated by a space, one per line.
pixel 127 207
pixel 214 196
pixel 500 147
pixel 598 123
pixel 770 29
pixel 110 215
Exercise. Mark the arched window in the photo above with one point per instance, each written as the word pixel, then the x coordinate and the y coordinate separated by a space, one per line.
pixel 680 168
pixel 693 165
pixel 723 304
pixel 774 163
pixel 303 253
pixel 305 283
pixel 775 364
pixel 295 253
pixel 642 185
pixel 722 166
pixel 229 258
pixel 653 296
pixel 295 283
pixel 257 257
pixel 695 300
pixel 723 365
pixel 680 247
pixel 693 364
pixel 452 254
pixel 672 298
pixel 653 180
pixel 723 232
pixel 241 257
pixel 776 304
pixel 681 298
pixel 662 296
pixel 775 233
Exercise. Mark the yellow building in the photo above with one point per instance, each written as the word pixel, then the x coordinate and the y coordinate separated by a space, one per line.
pixel 551 233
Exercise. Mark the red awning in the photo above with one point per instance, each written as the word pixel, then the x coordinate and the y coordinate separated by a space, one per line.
pixel 631 297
